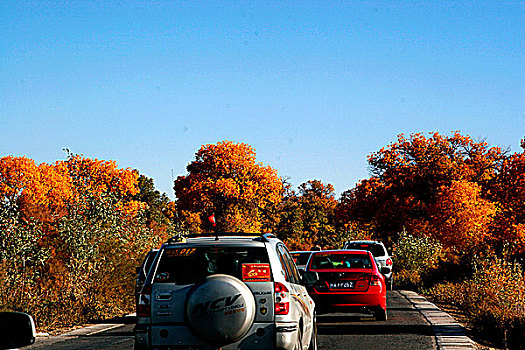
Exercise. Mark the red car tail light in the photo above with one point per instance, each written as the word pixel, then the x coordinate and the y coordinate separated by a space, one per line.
pixel 144 305
pixel 388 262
pixel 375 280
pixel 282 299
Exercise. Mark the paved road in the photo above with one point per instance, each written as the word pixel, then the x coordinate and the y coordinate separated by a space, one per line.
pixel 407 327
pixel 116 336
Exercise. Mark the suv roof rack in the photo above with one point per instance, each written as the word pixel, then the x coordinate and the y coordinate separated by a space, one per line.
pixel 265 237
pixel 180 238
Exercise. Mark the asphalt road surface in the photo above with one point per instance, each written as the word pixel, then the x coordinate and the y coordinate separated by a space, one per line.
pixel 405 329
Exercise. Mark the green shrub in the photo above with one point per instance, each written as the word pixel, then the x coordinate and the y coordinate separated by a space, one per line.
pixel 414 259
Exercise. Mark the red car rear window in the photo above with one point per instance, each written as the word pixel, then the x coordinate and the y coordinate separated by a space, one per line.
pixel 340 261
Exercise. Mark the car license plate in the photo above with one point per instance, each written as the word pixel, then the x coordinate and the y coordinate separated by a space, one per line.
pixel 341 285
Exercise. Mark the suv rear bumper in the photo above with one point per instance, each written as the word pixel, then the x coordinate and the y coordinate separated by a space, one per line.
pixel 263 336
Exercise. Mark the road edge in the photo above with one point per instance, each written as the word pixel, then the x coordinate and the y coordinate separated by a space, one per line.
pixel 44 340
pixel 449 334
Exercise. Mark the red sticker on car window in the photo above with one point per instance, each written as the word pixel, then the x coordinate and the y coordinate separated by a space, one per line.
pixel 256 272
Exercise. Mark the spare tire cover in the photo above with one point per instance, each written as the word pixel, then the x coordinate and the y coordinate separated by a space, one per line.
pixel 220 310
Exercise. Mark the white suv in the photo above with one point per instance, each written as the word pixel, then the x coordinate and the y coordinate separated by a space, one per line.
pixel 380 254
pixel 227 292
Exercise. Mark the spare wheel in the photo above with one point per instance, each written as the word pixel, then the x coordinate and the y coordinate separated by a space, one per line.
pixel 221 309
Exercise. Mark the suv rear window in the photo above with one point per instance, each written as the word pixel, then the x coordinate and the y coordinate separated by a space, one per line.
pixel 190 265
pixel 335 261
pixel 375 249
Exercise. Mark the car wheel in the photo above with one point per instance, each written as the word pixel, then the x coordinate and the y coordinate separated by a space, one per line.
pixel 391 283
pixel 380 314
pixel 313 339
pixel 221 309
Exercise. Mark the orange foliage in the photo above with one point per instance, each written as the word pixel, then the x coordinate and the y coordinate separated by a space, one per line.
pixel 508 189
pixel 40 191
pixel 224 179
pixel 460 217
pixel 170 211
pixel 102 176
pixel 16 173
pixel 192 221
pixel 417 176
pixel 43 191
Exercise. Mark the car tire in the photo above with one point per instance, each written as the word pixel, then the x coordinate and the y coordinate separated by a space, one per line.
pixel 313 339
pixel 390 284
pixel 220 310
pixel 380 314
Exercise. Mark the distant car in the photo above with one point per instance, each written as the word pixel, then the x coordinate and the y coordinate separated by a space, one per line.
pixel 349 281
pixel 380 254
pixel 300 258
pixel 142 271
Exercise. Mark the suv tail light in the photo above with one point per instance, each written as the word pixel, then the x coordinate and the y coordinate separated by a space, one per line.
pixel 144 305
pixel 375 281
pixel 388 262
pixel 282 299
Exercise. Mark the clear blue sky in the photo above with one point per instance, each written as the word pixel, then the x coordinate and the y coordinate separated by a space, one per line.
pixel 313 86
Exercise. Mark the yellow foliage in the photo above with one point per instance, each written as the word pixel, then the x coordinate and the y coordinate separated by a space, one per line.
pixel 460 216
pixel 225 180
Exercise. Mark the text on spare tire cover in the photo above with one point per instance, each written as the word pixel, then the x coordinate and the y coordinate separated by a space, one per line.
pixel 225 304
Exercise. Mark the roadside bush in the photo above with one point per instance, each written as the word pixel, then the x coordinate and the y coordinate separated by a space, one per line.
pixel 414 259
pixel 493 299
pixel 75 270
pixel 22 258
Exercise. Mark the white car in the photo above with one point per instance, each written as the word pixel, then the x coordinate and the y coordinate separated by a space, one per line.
pixel 380 254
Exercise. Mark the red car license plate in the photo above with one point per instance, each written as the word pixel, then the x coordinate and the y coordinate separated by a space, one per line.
pixel 341 285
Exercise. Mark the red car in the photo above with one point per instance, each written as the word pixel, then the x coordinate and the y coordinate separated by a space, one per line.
pixel 349 281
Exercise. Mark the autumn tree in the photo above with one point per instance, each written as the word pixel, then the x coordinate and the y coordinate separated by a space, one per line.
pixel 159 206
pixel 460 217
pixel 225 180
pixel 306 218
pixel 64 228
pixel 410 175
pixel 36 190
pixel 508 190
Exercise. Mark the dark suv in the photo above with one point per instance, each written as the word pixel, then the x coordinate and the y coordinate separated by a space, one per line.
pixel 227 292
